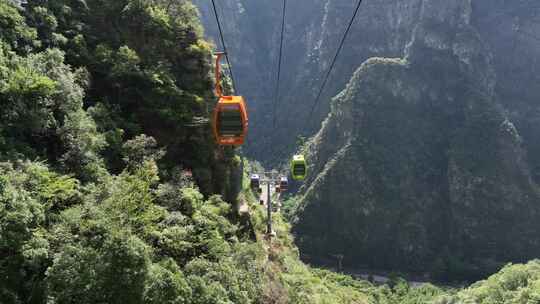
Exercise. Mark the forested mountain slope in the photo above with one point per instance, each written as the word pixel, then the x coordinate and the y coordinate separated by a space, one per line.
pixel 93 208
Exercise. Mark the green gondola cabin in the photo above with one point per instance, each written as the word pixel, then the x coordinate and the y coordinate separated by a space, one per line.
pixel 298 167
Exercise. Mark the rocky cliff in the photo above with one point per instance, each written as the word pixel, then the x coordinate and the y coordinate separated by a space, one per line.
pixel 420 167
pixel 510 30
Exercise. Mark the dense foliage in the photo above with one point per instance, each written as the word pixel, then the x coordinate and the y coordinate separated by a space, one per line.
pixel 136 67
pixel 513 284
pixel 105 144
pixel 130 240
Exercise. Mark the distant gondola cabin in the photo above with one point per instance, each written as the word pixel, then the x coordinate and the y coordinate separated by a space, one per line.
pixel 255 182
pixel 298 167
pixel 283 183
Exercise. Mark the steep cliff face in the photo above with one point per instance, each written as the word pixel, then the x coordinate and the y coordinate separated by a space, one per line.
pixel 419 167
pixel 510 29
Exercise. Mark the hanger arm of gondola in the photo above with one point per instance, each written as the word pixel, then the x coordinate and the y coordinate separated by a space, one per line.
pixel 218 89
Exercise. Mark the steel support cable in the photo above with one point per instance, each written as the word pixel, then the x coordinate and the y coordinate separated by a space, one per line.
pixel 329 71
pixel 224 46
pixel 276 92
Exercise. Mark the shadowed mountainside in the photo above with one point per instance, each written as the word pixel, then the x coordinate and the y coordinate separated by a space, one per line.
pixel 419 167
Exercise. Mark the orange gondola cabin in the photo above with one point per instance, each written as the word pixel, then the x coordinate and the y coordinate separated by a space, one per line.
pixel 230 119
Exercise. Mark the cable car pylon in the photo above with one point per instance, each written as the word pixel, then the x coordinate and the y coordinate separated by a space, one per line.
pixel 270 180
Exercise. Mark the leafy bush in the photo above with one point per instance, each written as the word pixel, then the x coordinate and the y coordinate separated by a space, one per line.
pixel 513 284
